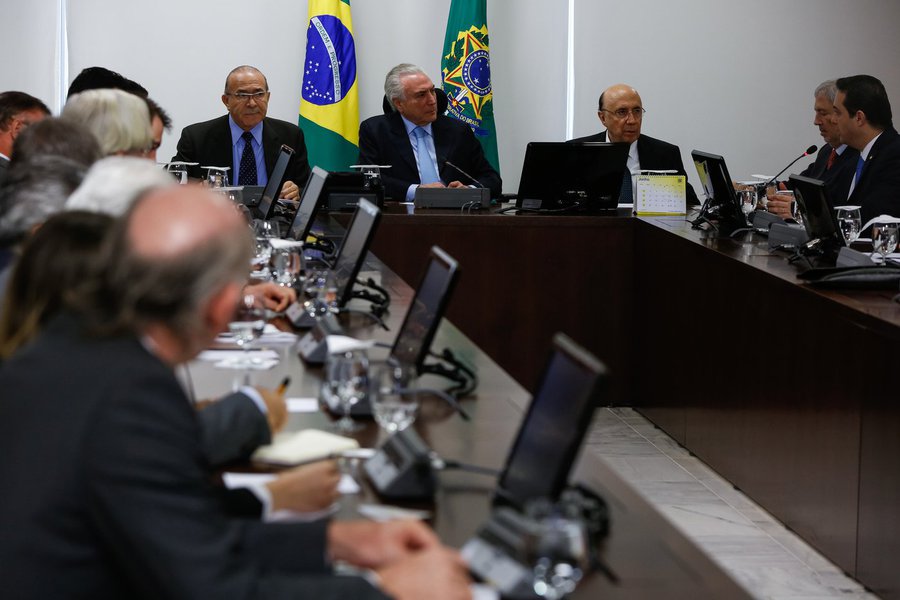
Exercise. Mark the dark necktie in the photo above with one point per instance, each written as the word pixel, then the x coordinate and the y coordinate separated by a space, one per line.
pixel 831 158
pixel 626 196
pixel 247 171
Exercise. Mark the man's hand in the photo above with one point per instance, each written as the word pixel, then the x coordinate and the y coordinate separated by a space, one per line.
pixel 376 545
pixel 276 408
pixel 306 489
pixel 272 296
pixel 456 184
pixel 779 204
pixel 436 184
pixel 437 574
pixel 290 190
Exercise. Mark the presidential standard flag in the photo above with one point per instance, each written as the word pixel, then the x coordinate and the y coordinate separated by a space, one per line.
pixel 466 72
pixel 329 107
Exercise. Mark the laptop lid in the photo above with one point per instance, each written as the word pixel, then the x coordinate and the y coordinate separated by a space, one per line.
pixel 426 310
pixel 819 219
pixel 574 175
pixel 548 440
pixel 266 208
pixel 353 249
pixel 310 200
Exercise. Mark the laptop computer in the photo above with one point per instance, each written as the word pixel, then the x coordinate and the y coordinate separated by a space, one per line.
pixel 310 201
pixel 571 176
pixel 819 219
pixel 266 208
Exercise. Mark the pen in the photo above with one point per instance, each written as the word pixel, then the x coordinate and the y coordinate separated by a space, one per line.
pixel 282 388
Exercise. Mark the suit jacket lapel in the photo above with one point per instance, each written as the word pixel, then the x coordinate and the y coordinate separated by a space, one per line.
pixel 270 146
pixel 400 141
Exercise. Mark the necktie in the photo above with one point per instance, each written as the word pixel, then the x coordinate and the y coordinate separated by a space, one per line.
pixel 247 171
pixel 859 169
pixel 626 196
pixel 427 172
pixel 831 158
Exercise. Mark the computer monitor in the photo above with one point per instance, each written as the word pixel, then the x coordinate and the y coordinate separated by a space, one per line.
pixel 426 310
pixel 548 440
pixel 571 176
pixel 309 205
pixel 819 219
pixel 354 247
pixel 266 208
pixel 722 206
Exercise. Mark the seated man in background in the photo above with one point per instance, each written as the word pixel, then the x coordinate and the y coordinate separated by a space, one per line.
pixel 835 162
pixel 120 121
pixel 246 139
pixel 123 482
pixel 622 113
pixel 18 110
pixel 419 143
pixel 865 123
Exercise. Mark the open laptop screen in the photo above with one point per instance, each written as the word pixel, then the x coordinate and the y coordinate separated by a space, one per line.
pixel 309 205
pixel 539 462
pixel 266 207
pixel 426 310
pixel 354 247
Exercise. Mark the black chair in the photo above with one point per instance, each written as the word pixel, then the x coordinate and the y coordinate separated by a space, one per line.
pixel 441 102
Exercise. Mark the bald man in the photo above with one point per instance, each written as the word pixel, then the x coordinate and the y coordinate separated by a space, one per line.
pixel 245 139
pixel 622 113
pixel 112 497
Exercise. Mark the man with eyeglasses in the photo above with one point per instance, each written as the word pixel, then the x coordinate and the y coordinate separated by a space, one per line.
pixel 245 139
pixel 622 113
pixel 18 110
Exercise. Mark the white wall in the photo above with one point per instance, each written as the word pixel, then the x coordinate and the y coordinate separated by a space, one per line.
pixel 726 77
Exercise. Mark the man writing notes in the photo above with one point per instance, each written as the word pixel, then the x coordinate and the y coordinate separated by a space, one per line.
pixel 835 162
pixel 621 111
pixel 112 496
pixel 419 143
pixel 863 114
pixel 245 139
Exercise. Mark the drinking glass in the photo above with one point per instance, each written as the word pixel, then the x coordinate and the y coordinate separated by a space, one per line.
pixel 347 382
pixel 849 219
pixel 287 265
pixel 263 232
pixel 246 326
pixel 178 171
pixel 559 551
pixel 884 239
pixel 323 294
pixel 217 177
pixel 394 402
pixel 747 199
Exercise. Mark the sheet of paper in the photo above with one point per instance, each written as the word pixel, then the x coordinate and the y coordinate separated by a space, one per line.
pixel 297 447
pixel 302 405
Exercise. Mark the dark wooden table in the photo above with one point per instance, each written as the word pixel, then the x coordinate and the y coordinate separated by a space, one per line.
pixel 649 556
pixel 785 390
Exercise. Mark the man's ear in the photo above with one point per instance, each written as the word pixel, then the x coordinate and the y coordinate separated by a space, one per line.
pixel 225 100
pixel 220 308
pixel 602 117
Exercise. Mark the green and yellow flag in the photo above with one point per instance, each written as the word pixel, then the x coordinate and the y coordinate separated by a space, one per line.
pixel 329 107
pixel 466 72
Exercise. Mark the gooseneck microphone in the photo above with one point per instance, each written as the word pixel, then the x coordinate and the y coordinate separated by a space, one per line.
pixel 809 151
pixel 474 181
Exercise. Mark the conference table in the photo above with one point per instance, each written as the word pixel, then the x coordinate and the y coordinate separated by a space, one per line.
pixel 785 390
pixel 644 556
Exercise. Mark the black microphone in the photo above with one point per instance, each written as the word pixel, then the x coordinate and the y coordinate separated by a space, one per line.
pixel 809 151
pixel 472 179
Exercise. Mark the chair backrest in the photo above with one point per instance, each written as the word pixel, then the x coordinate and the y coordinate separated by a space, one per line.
pixel 441 102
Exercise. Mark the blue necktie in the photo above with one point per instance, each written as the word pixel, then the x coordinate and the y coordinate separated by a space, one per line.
pixel 859 169
pixel 427 172
pixel 247 171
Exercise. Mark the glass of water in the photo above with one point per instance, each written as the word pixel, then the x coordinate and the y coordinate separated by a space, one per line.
pixel 884 239
pixel 394 401
pixel 287 265
pixel 849 219
pixel 347 381
pixel 217 177
pixel 245 327
pixel 559 552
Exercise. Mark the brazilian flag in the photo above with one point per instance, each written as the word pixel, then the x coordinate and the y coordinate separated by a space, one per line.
pixel 466 72
pixel 329 107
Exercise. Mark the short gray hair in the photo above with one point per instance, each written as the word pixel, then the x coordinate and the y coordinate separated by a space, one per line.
pixel 827 89
pixel 393 83
pixel 120 121
pixel 244 68
pixel 115 182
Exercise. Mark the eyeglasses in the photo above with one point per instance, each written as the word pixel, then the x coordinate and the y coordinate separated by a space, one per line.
pixel 247 96
pixel 623 113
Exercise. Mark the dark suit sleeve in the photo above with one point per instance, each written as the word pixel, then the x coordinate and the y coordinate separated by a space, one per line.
pixel 231 429
pixel 881 193
pixel 471 154
pixel 298 168
pixel 690 194
pixel 153 509
pixel 371 134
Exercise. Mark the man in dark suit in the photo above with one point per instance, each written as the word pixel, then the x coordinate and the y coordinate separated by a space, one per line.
pixel 18 110
pixel 419 143
pixel 863 114
pixel 245 139
pixel 112 496
pixel 835 161
pixel 622 113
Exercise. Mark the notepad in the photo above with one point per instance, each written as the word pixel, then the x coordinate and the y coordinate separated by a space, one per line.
pixel 303 446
